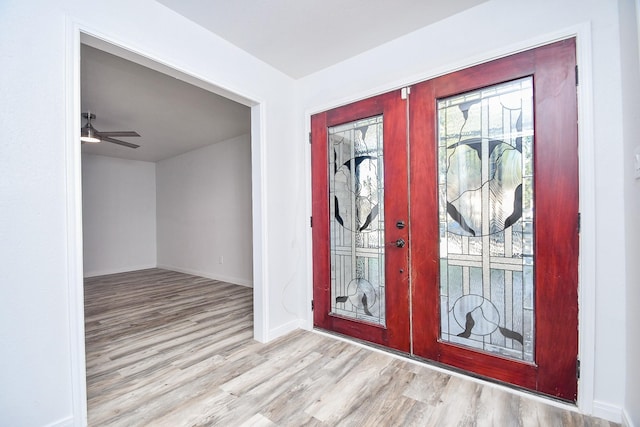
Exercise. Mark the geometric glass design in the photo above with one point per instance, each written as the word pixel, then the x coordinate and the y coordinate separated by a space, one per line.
pixel 356 206
pixel 485 184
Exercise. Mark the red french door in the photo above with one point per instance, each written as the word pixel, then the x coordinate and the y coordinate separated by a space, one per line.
pixel 360 215
pixel 494 167
pixel 470 259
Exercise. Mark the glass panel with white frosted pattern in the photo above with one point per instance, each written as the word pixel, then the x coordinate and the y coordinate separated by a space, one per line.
pixel 356 199
pixel 485 178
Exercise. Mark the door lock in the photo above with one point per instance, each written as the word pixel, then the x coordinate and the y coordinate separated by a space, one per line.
pixel 400 243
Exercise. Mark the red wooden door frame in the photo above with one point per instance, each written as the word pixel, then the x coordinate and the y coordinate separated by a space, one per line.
pixel 396 333
pixel 556 219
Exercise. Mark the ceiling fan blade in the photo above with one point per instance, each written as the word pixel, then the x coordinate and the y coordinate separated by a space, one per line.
pixel 117 141
pixel 119 133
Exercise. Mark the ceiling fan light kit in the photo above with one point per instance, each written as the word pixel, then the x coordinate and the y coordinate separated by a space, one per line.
pixel 88 133
pixel 91 135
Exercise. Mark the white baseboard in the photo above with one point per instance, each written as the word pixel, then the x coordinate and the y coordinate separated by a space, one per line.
pixel 208 275
pixel 65 422
pixel 283 329
pixel 626 419
pixel 607 411
pixel 118 270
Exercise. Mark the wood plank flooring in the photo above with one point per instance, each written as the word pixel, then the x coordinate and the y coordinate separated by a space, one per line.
pixel 170 349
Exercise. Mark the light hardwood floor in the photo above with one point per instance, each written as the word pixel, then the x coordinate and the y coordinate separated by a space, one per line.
pixel 170 349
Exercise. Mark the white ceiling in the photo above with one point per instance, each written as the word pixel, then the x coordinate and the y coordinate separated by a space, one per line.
pixel 298 37
pixel 171 116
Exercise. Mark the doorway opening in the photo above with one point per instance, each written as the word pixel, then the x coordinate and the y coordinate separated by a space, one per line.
pixel 250 173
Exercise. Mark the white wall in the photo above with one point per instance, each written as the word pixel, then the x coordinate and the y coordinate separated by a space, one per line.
pixel 40 291
pixel 204 212
pixel 630 80
pixel 42 370
pixel 118 214
pixel 496 28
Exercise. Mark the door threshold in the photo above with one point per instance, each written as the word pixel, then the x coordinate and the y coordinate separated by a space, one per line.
pixel 458 373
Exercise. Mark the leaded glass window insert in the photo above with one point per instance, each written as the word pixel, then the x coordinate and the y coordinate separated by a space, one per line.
pixel 485 179
pixel 356 199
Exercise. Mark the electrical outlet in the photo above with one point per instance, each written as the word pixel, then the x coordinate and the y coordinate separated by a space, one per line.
pixel 221 260
pixel 636 163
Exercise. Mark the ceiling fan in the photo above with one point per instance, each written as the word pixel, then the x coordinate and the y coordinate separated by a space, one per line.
pixel 90 134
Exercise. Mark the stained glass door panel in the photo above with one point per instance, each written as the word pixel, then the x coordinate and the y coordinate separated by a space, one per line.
pixel 360 212
pixel 494 210
pixel 356 198
pixel 485 181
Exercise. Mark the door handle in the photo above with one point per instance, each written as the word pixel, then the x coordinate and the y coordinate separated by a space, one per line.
pixel 400 243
